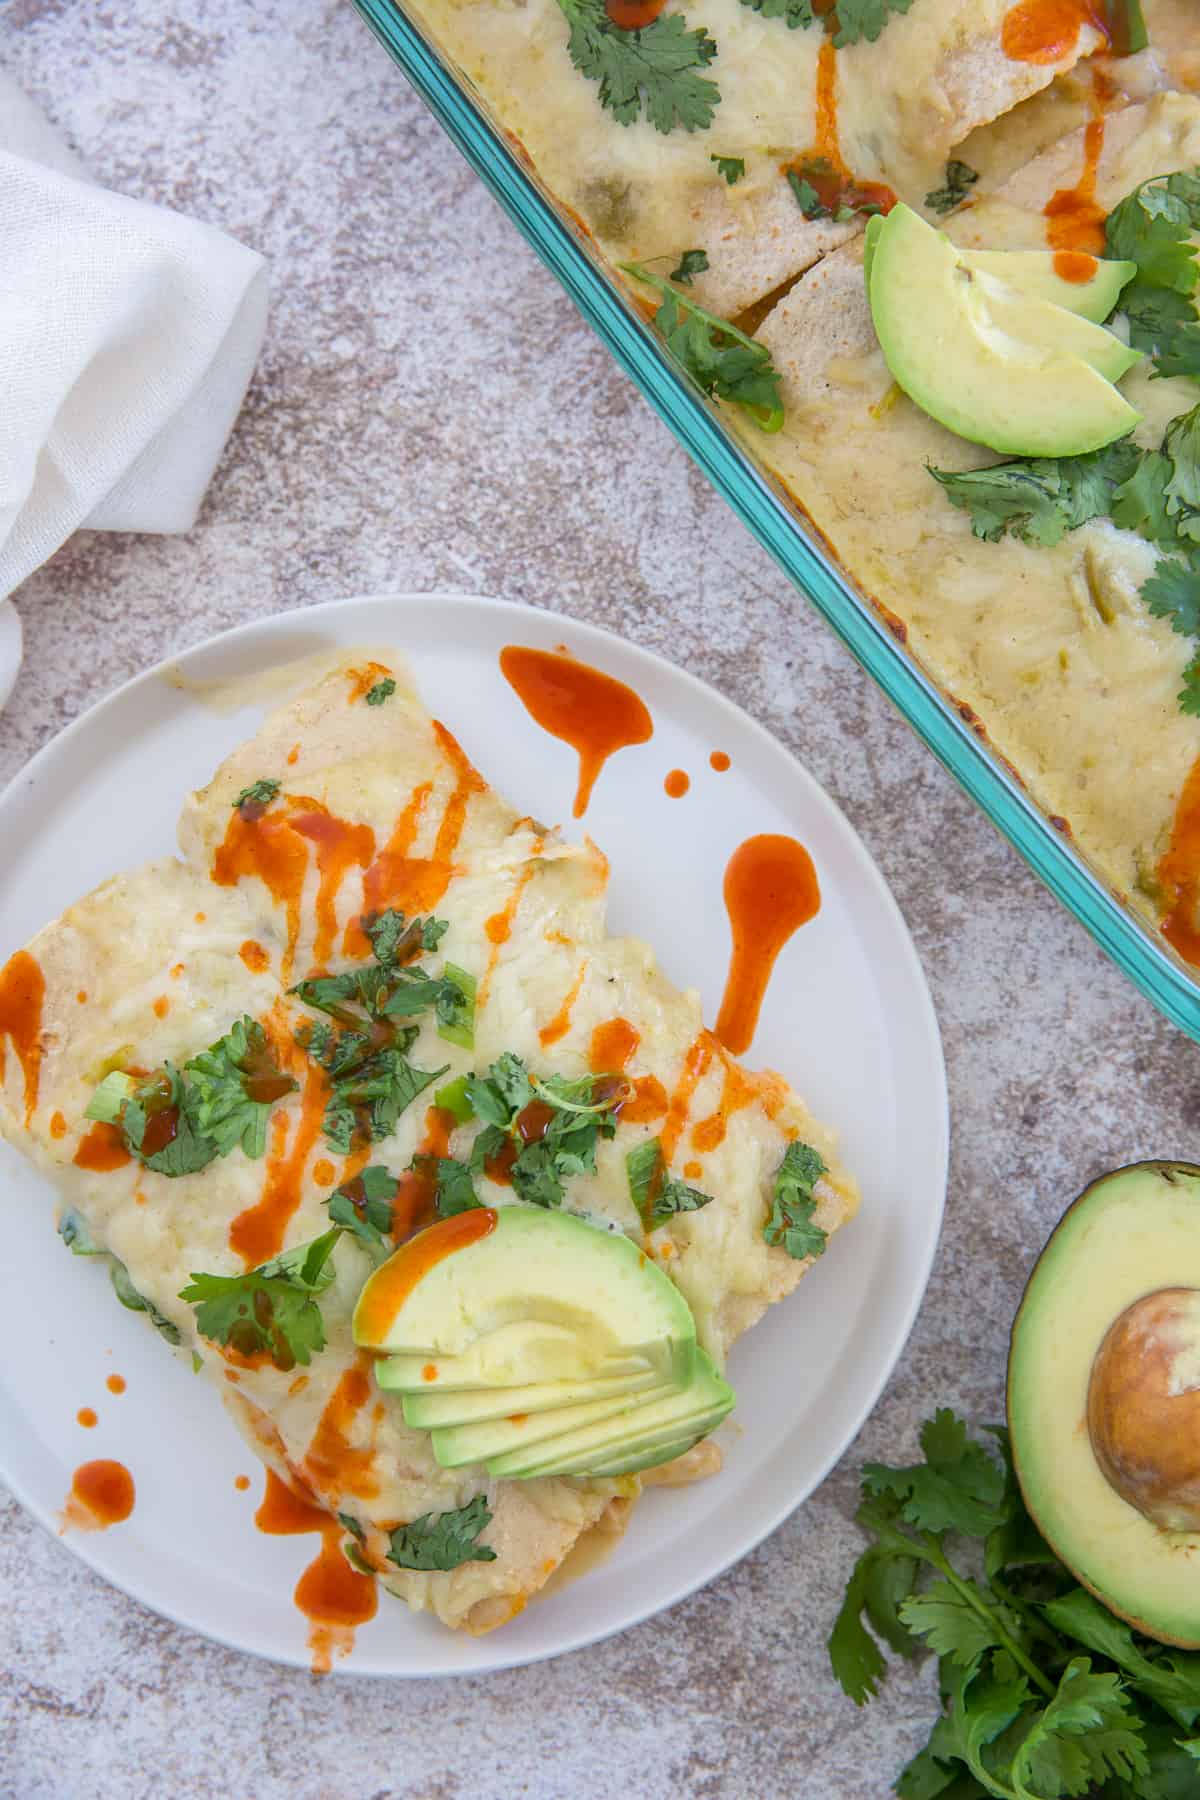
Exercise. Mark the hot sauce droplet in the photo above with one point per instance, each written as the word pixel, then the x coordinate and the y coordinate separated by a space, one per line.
pixel 1047 31
pixel 613 1044
pixel 115 1384
pixel 333 1597
pixel 677 784
pixel 241 1483
pixel 102 1494
pixel 254 956
pixel 1074 217
pixel 719 761
pixel 633 15
pixel 594 713
pixel 101 1148
pixel 86 1417
pixel 22 992
pixel 771 889
pixel 58 1125
pixel 1075 265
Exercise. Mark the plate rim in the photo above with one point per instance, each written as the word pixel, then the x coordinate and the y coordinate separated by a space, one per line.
pixel 81 1546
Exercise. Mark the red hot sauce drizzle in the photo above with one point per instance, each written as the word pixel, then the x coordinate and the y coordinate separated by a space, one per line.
pixel 633 15
pixel 771 889
pixel 583 707
pixel 22 992
pixel 824 167
pixel 1047 31
pixel 102 1494
pixel 333 1597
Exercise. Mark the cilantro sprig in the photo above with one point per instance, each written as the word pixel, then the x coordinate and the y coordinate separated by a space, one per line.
pixel 652 72
pixel 543 1131
pixel 724 363
pixel 731 167
pixel 657 1194
pixel 176 1121
pixel 443 1540
pixel 369 1027
pixel 1044 1693
pixel 793 1205
pixel 271 1309
pixel 1153 228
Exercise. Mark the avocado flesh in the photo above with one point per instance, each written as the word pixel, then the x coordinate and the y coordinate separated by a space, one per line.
pixel 1052 329
pixel 967 371
pixel 547 1273
pixel 687 1413
pixel 1129 1234
pixel 427 1409
pixel 517 1355
pixel 1032 272
pixel 646 1459
pixel 481 1439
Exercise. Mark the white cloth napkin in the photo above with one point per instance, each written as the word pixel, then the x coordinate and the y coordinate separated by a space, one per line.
pixel 128 335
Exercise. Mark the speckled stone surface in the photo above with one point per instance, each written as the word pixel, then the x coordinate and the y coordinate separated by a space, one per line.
pixel 430 412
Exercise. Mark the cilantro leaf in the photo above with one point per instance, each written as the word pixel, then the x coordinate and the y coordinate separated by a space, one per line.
pixel 130 1297
pixel 791 1221
pixel 443 1540
pixel 653 71
pixel 235 1083
pixel 396 939
pixel 1173 1682
pixel 1189 693
pixel 1173 592
pixel 656 1193
pixel 1039 499
pixel 723 362
pixel 1140 504
pixel 1085 1734
pixel 845 198
pixel 1164 323
pixel 794 13
pixel 879 1581
pixel 982 1707
pixel 1151 227
pixel 731 167
pixel 453 1184
pixel 271 1309
pixel 455 1006
pixel 691 264
pixel 859 19
pixel 945 1618
pixel 1182 446
pixel 383 690
pixel 363 1207
pixel 958 1487
pixel 960 179
pixel 254 800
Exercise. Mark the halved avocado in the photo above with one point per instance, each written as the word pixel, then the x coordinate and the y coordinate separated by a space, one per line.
pixel 1104 1395
pixel 1023 393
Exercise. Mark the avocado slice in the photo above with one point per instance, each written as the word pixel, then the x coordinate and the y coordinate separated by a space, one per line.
pixel 431 1407
pixel 1045 327
pixel 477 1441
pixel 1104 1395
pixel 516 1355
pixel 458 1284
pixel 614 1443
pixel 1033 272
pixel 1019 395
pixel 646 1459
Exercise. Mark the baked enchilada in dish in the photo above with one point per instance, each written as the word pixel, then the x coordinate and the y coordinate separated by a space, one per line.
pixel 1026 525
pixel 450 1192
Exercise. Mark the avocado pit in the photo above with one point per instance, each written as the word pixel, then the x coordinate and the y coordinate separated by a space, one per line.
pixel 1143 1409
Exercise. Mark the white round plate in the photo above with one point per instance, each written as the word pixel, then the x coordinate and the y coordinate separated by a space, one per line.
pixel 847 1017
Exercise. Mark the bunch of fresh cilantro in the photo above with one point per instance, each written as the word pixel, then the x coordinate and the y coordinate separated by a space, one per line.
pixel 1044 1692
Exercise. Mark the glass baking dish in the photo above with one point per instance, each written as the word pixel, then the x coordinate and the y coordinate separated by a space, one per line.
pixel 759 501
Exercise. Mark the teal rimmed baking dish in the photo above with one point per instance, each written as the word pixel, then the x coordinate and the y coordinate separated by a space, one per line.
pixel 761 505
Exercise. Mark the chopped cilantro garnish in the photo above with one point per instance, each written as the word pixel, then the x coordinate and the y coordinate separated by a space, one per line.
pixel 791 1221
pixel 363 1207
pixel 657 1194
pixel 653 71
pixel 383 690
pixel 177 1122
pixel 1025 1715
pixel 456 1007
pixel 548 1128
pixel 396 939
pixel 731 167
pixel 1040 498
pixel 254 800
pixel 271 1309
pixel 851 19
pixel 443 1540
pixel 454 1188
pixel 723 362
pixel 691 264
pixel 960 179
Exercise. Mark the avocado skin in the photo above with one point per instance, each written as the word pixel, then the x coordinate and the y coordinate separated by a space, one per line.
pixel 1151 1628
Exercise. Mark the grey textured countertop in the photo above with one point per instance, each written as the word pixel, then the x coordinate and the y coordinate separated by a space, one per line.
pixel 430 412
